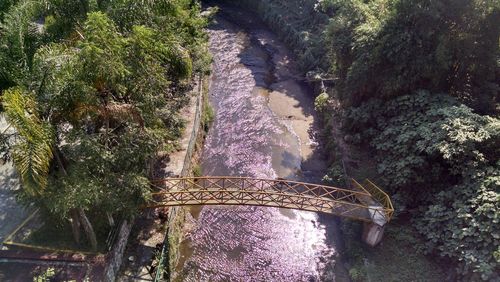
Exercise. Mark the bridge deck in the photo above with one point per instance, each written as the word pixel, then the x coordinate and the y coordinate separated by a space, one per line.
pixel 364 202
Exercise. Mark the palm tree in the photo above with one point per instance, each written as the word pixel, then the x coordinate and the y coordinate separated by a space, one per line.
pixel 32 152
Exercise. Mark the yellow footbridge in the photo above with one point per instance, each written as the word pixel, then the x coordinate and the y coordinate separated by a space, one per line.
pixel 365 202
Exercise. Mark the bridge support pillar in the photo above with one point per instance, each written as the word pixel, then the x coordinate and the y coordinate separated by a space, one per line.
pixel 372 233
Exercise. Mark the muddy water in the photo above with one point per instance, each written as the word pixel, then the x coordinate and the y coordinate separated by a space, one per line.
pixel 264 127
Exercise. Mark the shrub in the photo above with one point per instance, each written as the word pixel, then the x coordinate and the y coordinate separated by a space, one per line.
pixel 321 102
pixel 463 223
pixel 437 155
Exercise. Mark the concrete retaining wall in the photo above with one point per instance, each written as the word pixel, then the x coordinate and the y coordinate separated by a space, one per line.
pixel 179 164
pixel 176 216
pixel 115 256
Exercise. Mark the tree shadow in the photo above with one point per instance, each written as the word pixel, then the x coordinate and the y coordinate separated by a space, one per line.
pixel 12 213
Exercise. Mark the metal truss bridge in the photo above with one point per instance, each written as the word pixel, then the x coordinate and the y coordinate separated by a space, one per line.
pixel 364 202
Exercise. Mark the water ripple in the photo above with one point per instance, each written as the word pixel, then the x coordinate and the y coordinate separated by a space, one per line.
pixel 249 243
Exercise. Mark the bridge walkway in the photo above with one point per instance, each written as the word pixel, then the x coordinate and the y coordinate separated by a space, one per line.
pixel 365 202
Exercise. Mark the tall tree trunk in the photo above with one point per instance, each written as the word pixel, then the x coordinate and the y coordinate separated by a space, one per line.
pixel 78 216
pixel 111 221
pixel 75 219
pixel 75 225
pixel 89 230
pixel 57 154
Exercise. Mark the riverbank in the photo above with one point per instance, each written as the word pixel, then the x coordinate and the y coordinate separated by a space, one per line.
pixel 264 127
pixel 148 235
pixel 297 29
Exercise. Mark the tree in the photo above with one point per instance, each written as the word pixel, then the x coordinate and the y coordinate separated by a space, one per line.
pixel 5 6
pixel 423 141
pixel 19 40
pixel 32 152
pixel 98 100
pixel 387 49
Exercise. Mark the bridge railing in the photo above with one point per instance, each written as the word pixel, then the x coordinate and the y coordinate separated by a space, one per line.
pixel 356 203
pixel 221 182
pixel 377 198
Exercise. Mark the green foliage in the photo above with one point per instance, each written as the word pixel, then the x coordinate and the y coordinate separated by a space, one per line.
pixel 335 175
pixel 437 154
pixel 384 48
pixel 420 137
pixel 464 223
pixel 101 53
pixel 20 37
pixel 321 102
pixel 33 151
pixel 4 7
pixel 100 84
pixel 179 22
pixel 115 180
pixel 64 17
pixel 30 24
pixel 299 25
pixel 117 86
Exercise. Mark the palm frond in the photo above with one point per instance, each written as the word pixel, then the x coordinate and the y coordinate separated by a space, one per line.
pixel 33 152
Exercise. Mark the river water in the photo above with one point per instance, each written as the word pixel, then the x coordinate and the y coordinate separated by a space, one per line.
pixel 264 127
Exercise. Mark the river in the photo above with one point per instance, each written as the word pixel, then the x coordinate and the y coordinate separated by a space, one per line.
pixel 264 127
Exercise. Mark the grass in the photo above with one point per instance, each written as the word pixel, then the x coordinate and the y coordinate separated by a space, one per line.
pixel 197 171
pixel 175 236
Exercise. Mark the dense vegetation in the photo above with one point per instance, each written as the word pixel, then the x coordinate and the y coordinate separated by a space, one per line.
pixel 416 85
pixel 93 89
pixel 440 161
pixel 414 78
pixel 385 49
